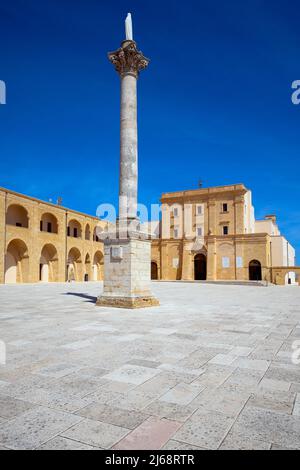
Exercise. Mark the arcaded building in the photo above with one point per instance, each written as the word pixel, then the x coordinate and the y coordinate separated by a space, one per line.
pixel 211 234
pixel 46 242
pixel 204 234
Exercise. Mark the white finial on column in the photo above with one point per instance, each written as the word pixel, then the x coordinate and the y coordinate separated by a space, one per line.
pixel 128 27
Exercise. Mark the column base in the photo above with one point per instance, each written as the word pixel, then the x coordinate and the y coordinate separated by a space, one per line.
pixel 127 279
pixel 127 302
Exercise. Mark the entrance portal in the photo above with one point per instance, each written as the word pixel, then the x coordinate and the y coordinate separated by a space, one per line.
pixel 154 270
pixel 255 270
pixel 200 267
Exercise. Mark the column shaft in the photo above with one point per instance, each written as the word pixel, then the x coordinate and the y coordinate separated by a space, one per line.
pixel 128 148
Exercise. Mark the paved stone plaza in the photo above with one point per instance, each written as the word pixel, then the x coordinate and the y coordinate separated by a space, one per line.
pixel 210 368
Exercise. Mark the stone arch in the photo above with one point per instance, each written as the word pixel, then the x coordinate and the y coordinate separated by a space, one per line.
pixel 87 235
pixel 16 262
pixel 96 234
pixel 49 264
pixel 98 263
pixel 74 229
pixel 17 215
pixel 255 271
pixel 200 267
pixel 74 265
pixel 48 223
pixel 291 278
pixel 154 271
pixel 87 267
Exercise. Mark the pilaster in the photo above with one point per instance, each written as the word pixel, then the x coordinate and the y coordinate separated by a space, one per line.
pixel 211 259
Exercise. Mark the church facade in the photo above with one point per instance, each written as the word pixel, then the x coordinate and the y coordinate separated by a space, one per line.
pixel 211 234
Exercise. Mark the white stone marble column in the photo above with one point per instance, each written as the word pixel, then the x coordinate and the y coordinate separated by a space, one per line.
pixel 127 258
pixel 128 151
pixel 128 62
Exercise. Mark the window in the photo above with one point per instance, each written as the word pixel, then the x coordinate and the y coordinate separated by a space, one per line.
pixel 49 227
pixel 41 225
pixel 225 229
pixel 199 231
pixel 175 232
pixel 175 212
pixel 75 232
pixel 199 210
pixel 225 262
pixel 225 207
pixel 68 231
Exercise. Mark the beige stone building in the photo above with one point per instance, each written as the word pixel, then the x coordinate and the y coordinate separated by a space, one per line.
pixel 211 234
pixel 46 242
pixel 205 234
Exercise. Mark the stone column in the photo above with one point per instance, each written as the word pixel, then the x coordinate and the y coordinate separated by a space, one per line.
pixel 127 258
pixel 128 62
pixel 128 151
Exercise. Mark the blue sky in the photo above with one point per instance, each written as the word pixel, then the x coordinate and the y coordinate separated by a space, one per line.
pixel 215 102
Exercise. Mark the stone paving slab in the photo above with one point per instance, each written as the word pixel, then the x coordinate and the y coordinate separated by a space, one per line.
pixel 271 384
pixel 268 426
pixel 172 411
pixel 277 401
pixel 132 374
pixel 135 400
pixel 234 441
pixel 212 361
pixel 296 410
pixel 182 394
pixel 205 429
pixel 112 415
pixel 226 400
pixel 33 428
pixel 10 407
pixel 63 443
pixel 176 445
pixel 152 434
pixel 96 433
pixel 3 383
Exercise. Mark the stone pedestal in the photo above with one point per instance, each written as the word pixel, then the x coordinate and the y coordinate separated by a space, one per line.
pixel 127 269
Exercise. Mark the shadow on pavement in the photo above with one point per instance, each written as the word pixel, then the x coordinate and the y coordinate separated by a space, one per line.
pixel 90 298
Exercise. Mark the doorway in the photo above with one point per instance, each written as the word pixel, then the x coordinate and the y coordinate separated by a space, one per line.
pixel 154 270
pixel 200 268
pixel 255 273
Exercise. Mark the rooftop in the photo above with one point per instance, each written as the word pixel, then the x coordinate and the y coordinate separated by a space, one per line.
pixel 47 203
pixel 239 188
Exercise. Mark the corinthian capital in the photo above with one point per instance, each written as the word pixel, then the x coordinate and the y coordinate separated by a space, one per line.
pixel 128 59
